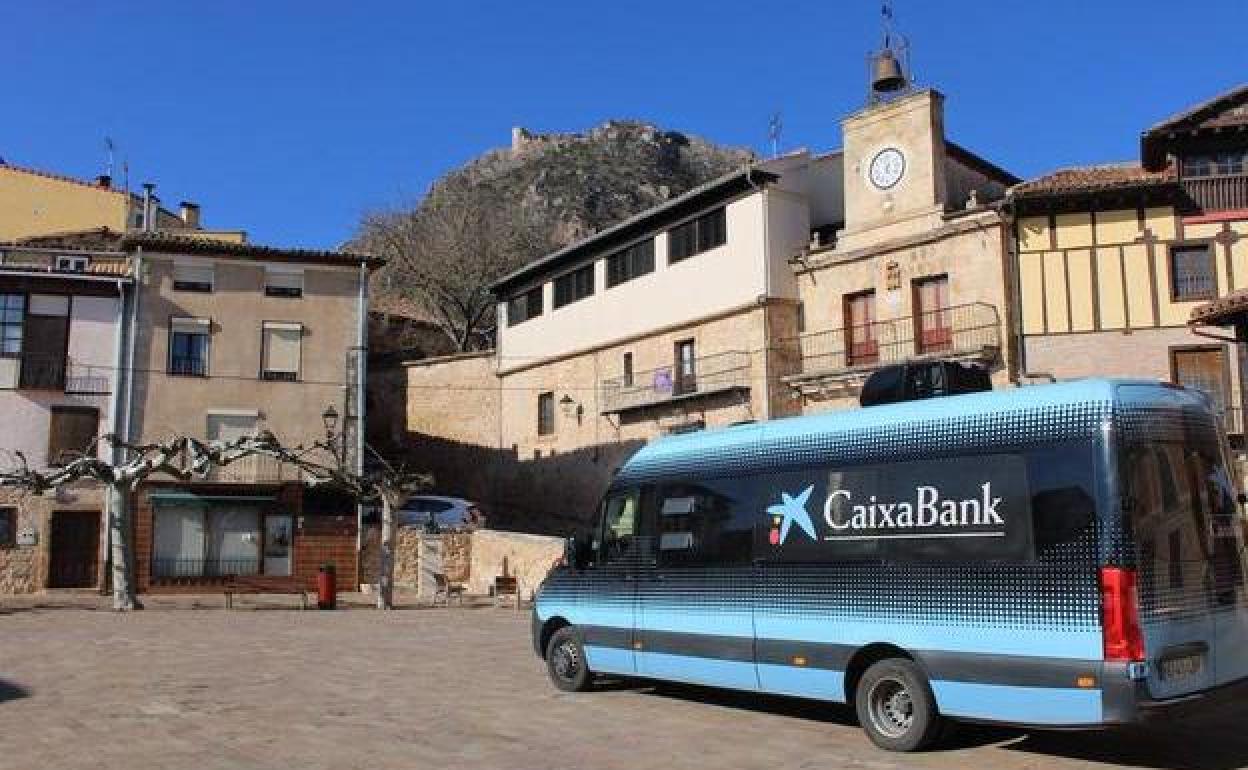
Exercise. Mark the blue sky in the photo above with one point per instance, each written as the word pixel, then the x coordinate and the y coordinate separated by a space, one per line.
pixel 290 119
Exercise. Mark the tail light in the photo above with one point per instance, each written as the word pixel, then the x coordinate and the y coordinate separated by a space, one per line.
pixel 1120 615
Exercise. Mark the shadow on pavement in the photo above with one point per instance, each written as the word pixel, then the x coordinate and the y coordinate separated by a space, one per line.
pixel 1220 743
pixel 10 691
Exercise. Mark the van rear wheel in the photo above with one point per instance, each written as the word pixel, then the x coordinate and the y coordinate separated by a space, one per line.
pixel 895 706
pixel 565 661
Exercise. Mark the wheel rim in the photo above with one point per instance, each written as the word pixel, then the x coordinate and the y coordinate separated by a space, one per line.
pixel 566 660
pixel 890 707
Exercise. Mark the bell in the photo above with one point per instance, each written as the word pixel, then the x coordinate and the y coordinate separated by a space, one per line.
pixel 887 74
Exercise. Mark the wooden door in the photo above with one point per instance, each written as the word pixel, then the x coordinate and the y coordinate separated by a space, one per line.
pixel 932 322
pixel 861 344
pixel 74 549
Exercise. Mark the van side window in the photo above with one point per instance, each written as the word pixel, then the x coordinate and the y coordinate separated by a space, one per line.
pixel 705 522
pixel 619 526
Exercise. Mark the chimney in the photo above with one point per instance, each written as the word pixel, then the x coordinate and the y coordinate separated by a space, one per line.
pixel 190 214
pixel 105 181
pixel 148 208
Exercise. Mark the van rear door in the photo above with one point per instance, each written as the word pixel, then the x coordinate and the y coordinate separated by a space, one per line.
pixel 1187 532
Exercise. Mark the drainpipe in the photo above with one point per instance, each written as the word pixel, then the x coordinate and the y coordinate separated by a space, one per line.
pixel 1014 291
pixel 766 301
pixel 132 339
pixel 361 364
pixel 147 206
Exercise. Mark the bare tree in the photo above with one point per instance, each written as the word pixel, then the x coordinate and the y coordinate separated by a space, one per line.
pixel 445 253
pixel 186 459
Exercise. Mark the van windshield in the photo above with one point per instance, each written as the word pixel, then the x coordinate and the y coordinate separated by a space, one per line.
pixel 1185 519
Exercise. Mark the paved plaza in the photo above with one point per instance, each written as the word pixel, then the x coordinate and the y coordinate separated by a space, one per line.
pixel 436 688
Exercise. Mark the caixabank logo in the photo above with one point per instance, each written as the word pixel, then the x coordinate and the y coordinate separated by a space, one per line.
pixel 972 506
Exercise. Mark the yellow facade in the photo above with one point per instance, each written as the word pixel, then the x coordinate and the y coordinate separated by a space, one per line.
pixel 32 203
pixel 1110 270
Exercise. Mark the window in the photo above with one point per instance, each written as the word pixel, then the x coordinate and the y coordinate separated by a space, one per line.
pixel 522 307
pixel 72 432
pixel 686 369
pixel 283 283
pixel 545 414
pixel 66 264
pixel 707 522
pixel 12 313
pixel 189 277
pixel 575 285
pixel 206 540
pixel 46 338
pixel 861 346
pixel 1191 272
pixel 1204 369
pixel 933 324
pixel 697 235
pixel 188 346
pixel 628 369
pixel 617 533
pixel 1220 163
pixel 282 351
pixel 8 527
pixel 636 260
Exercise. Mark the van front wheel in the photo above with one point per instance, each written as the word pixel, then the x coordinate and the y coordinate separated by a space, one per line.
pixel 895 706
pixel 565 661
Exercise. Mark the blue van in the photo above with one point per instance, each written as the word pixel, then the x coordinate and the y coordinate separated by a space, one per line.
pixel 1067 555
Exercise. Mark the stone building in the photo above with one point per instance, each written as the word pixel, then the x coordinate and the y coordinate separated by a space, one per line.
pixel 1114 258
pixel 723 305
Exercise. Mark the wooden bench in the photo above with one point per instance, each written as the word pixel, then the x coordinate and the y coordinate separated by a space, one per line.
pixel 506 588
pixel 263 584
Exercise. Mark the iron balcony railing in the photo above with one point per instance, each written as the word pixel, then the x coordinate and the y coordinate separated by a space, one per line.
pixel 204 568
pixel 45 371
pixel 1218 193
pixel 972 329
pixel 710 374
pixel 188 366
pixel 255 469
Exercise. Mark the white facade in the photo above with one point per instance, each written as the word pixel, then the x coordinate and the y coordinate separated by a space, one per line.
pixel 766 226
pixel 90 370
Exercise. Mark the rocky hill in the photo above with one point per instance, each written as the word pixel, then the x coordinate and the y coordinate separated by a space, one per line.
pixel 579 183
pixel 512 205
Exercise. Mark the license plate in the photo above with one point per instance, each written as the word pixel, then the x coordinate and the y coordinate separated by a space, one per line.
pixel 1181 667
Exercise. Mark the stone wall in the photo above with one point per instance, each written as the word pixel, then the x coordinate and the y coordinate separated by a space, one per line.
pixel 527 557
pixel 22 567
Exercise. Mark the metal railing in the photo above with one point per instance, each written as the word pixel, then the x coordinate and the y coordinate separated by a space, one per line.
pixel 959 330
pixel 204 568
pixel 1218 193
pixel 255 469
pixel 87 378
pixel 188 366
pixel 711 374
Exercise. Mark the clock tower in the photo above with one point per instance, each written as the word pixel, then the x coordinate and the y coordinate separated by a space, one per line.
pixel 894 168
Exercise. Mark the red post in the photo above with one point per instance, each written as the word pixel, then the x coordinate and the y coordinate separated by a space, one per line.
pixel 326 588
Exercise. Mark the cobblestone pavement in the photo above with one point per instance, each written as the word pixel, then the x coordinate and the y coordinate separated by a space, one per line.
pixel 458 688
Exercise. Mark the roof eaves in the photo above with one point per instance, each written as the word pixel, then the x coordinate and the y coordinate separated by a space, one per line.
pixel 722 184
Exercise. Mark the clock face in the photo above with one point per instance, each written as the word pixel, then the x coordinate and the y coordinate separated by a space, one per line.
pixel 887 168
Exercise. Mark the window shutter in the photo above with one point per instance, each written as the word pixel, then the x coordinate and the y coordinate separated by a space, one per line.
pixel 71 431
pixel 192 275
pixel 190 325
pixel 283 283
pixel 281 347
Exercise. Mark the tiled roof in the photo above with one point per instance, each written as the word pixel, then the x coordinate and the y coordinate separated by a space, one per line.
pixel 185 244
pixel 1083 179
pixel 61 178
pixel 1221 311
pixel 1227 110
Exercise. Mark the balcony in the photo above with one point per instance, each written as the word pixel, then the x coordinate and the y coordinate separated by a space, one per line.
pixel 44 371
pixel 716 374
pixel 1218 193
pixel 256 469
pixel 841 359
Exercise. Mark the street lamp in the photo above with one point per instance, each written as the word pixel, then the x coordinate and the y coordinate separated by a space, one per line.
pixel 330 419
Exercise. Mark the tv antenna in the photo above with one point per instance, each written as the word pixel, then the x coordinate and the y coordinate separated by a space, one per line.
pixel 774 127
pixel 111 148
